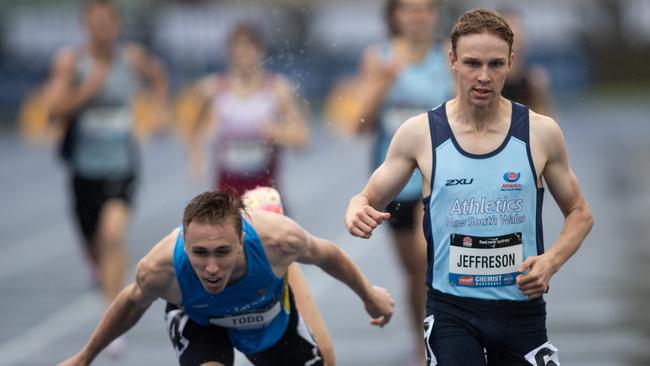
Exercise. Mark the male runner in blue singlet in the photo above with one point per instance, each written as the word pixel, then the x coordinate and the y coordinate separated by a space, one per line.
pixel 223 275
pixel 483 161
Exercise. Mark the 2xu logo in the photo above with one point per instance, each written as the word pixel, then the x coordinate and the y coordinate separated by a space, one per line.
pixel 462 181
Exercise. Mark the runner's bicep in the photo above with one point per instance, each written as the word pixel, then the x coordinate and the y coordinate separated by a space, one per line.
pixel 149 285
pixel 391 176
pixel 560 178
pixel 315 251
pixel 58 86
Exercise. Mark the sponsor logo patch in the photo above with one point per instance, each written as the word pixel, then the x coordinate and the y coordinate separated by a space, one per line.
pixel 511 179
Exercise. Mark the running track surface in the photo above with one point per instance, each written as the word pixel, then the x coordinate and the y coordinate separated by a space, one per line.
pixel 597 304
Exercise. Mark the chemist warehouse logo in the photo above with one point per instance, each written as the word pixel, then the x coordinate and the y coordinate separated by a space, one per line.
pixel 511 184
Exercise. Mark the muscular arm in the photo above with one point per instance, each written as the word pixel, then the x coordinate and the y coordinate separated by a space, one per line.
pixel 293 243
pixel 578 220
pixel 291 130
pixel 203 125
pixel 63 98
pixel 152 71
pixel 375 80
pixel 362 215
pixel 127 308
pixel 309 311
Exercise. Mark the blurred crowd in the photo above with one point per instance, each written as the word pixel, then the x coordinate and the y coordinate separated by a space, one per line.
pixel 317 45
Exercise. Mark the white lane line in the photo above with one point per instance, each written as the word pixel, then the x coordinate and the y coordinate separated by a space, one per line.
pixel 79 313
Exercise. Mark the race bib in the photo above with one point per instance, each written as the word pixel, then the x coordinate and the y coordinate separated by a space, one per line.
pixel 246 156
pixel 105 123
pixel 253 320
pixel 394 117
pixel 476 261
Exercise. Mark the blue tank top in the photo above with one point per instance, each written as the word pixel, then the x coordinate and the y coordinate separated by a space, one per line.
pixel 255 310
pixel 483 217
pixel 417 89
pixel 104 145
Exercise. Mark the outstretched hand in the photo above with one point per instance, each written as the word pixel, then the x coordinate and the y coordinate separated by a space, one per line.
pixel 380 306
pixel 362 222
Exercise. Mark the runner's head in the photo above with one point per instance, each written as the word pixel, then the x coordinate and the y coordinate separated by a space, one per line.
pixel 102 22
pixel 213 238
pixel 245 47
pixel 413 19
pixel 481 56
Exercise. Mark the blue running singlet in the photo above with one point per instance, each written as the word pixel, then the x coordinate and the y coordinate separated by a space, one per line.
pixel 255 310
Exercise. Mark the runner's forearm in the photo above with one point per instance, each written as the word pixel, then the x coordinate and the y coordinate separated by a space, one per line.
pixel 577 225
pixel 340 266
pixel 371 96
pixel 121 315
pixel 68 103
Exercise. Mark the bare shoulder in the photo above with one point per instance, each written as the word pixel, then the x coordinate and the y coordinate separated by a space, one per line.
pixel 281 236
pixel 208 85
pixel 282 86
pixel 65 58
pixel 143 61
pixel 544 127
pixel 414 131
pixel 370 56
pixel 155 272
pixel 417 122
pixel 137 53
pixel 546 133
pixel 281 82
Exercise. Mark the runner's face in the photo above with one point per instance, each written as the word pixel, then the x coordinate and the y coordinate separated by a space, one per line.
pixel 213 251
pixel 102 25
pixel 416 19
pixel 480 64
pixel 245 54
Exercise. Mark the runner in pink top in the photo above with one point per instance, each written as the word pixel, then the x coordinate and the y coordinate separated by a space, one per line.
pixel 252 113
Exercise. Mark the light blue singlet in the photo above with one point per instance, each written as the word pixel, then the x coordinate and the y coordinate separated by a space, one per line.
pixel 417 89
pixel 483 217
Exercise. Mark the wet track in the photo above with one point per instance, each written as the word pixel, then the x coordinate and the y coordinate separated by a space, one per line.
pixel 597 305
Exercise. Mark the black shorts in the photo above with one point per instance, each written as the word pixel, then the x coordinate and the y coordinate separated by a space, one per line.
pixel 196 344
pixel 402 214
pixel 464 331
pixel 90 195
